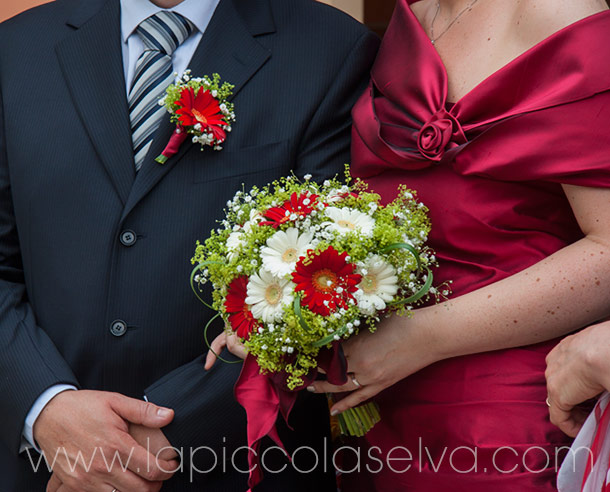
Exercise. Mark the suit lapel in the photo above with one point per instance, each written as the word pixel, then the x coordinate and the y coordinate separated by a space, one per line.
pixel 91 61
pixel 229 48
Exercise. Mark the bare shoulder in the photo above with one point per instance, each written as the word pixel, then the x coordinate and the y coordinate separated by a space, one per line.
pixel 541 18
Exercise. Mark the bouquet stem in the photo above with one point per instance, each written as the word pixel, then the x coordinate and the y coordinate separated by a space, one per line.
pixel 357 421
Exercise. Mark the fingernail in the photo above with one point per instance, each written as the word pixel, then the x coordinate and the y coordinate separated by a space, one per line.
pixel 334 413
pixel 311 389
pixel 164 413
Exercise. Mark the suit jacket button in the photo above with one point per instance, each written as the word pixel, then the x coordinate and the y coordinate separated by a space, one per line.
pixel 128 238
pixel 118 328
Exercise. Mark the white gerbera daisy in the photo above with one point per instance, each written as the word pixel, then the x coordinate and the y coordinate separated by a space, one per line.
pixel 267 296
pixel 346 220
pixel 284 249
pixel 234 243
pixel 255 218
pixel 379 285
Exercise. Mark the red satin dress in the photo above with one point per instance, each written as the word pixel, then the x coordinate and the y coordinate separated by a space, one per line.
pixel 490 169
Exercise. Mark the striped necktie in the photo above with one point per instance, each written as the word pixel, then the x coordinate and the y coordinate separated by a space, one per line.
pixel 161 34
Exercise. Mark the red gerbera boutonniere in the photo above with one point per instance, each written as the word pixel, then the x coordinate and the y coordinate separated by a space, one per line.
pixel 327 280
pixel 240 317
pixel 298 207
pixel 199 107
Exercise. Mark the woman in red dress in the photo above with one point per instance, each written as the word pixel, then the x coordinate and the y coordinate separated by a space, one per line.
pixel 516 174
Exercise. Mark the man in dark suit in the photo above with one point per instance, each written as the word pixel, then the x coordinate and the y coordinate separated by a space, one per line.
pixel 96 313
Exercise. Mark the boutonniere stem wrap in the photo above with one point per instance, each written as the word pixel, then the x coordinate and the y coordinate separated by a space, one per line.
pixel 200 108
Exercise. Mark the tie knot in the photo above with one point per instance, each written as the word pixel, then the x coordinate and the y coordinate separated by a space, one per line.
pixel 164 31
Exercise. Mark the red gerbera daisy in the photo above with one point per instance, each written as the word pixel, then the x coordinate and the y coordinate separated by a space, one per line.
pixel 297 207
pixel 240 317
pixel 201 108
pixel 327 280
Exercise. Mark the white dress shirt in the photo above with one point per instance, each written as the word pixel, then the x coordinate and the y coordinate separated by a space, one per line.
pixel 133 12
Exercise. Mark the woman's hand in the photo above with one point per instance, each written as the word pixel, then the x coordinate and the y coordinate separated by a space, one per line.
pixel 578 369
pixel 223 340
pixel 377 360
pixel 555 296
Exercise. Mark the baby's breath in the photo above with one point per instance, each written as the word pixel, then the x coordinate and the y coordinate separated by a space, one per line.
pixel 221 91
pixel 292 344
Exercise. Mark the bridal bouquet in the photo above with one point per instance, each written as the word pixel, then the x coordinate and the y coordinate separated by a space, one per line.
pixel 297 267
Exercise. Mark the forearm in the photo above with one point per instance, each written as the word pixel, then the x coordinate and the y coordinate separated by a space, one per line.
pixel 560 294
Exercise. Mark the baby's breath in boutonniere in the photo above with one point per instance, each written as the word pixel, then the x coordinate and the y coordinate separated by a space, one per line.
pixel 200 108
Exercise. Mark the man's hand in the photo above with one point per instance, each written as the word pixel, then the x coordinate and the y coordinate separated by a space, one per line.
pixel 85 436
pixel 155 442
pixel 578 369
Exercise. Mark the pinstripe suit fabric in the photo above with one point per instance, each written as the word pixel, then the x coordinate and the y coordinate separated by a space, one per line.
pixel 68 189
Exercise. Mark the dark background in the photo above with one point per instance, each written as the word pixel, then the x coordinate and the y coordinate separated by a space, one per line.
pixel 377 14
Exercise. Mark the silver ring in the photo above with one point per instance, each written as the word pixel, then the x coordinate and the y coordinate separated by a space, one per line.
pixel 115 490
pixel 355 381
pixel 548 402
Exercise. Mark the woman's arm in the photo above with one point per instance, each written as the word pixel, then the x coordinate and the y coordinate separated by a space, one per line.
pixel 564 292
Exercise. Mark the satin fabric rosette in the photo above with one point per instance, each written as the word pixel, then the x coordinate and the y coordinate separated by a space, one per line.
pixel 200 108
pixel 296 268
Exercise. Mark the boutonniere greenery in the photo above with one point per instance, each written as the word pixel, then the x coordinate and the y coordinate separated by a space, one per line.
pixel 200 108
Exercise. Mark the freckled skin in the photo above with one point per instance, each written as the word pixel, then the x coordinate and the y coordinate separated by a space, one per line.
pixel 484 319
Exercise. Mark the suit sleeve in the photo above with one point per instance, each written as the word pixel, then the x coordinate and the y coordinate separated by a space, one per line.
pixel 29 361
pixel 205 408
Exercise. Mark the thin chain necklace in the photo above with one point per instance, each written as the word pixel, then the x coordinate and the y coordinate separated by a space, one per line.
pixel 438 8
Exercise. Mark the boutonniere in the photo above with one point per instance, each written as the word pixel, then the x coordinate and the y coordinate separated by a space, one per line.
pixel 200 109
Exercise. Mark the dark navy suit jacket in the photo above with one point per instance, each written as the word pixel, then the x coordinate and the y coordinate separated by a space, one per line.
pixel 68 191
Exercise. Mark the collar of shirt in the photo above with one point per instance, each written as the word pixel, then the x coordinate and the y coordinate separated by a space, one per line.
pixel 133 12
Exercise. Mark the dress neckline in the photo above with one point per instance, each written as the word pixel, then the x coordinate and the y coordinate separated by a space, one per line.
pixel 507 66
pixel 404 120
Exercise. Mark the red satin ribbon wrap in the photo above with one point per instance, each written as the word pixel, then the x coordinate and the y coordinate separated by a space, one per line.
pixel 264 396
pixel 175 141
